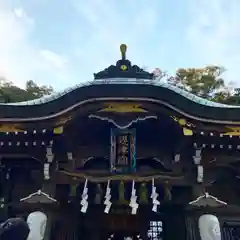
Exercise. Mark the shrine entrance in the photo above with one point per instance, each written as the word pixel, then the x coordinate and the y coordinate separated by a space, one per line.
pixel 120 226
pixel 164 225
pixel 168 223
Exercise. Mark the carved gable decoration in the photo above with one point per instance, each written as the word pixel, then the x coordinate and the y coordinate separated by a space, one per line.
pixel 123 115
pixel 38 197
pixel 207 200
pixel 123 69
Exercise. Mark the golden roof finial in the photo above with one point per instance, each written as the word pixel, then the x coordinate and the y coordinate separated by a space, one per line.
pixel 123 50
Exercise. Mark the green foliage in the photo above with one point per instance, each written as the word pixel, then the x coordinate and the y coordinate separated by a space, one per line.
pixel 203 82
pixel 37 91
pixel 11 93
pixel 233 98
pixel 207 83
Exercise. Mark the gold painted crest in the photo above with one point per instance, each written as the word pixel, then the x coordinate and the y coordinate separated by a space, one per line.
pixel 10 128
pixel 233 131
pixel 123 108
pixel 63 120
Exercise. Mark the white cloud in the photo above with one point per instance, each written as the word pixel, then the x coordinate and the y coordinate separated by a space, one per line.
pixel 21 14
pixel 112 23
pixel 214 34
pixel 54 59
pixel 20 58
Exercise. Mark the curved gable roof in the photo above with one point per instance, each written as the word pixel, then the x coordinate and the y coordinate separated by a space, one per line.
pixel 120 82
pixel 162 84
pixel 133 89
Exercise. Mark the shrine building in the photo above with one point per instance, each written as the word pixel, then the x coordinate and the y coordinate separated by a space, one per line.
pixel 124 155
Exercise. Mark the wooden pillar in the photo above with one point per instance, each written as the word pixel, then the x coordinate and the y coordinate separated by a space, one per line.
pixel 96 218
pixel 49 188
pixel 47 235
pixel 191 227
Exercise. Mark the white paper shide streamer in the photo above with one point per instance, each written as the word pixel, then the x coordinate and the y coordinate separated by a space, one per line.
pixel 133 201
pixel 107 201
pixel 154 196
pixel 84 201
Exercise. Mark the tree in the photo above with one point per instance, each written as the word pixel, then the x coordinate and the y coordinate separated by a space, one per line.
pixel 11 93
pixel 38 91
pixel 204 82
pixel 207 83
pixel 233 98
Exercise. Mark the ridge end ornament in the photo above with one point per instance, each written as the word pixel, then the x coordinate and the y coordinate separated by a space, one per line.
pixel 123 69
pixel 123 50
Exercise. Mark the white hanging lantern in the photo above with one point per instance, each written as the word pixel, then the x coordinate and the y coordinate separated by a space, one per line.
pixel 198 156
pixel 46 171
pixel 177 158
pixel 69 156
pixel 199 173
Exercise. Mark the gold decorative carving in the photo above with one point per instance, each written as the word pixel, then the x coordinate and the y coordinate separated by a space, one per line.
pixel 63 120
pixel 123 108
pixel 233 131
pixel 10 128
pixel 185 125
pixel 58 130
pixel 183 122
pixel 123 50
pixel 187 132
pixel 121 177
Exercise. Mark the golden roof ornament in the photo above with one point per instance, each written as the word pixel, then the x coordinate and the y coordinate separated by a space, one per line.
pixel 123 69
pixel 123 50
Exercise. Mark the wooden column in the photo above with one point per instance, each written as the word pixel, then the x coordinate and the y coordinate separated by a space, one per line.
pixel 49 188
pixel 191 222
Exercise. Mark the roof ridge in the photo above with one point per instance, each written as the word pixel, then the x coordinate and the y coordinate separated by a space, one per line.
pixel 176 89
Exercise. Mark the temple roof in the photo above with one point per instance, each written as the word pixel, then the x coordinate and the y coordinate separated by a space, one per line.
pixel 120 81
pixel 117 83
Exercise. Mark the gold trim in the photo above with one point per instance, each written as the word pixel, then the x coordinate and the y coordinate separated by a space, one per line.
pixel 58 130
pixel 119 99
pixel 123 108
pixel 187 132
pixel 234 131
pixel 10 128
pixel 118 177
pixel 63 120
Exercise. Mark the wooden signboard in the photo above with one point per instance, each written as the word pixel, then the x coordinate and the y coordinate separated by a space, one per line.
pixel 123 150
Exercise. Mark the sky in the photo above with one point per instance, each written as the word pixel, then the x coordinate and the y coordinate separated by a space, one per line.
pixel 62 43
